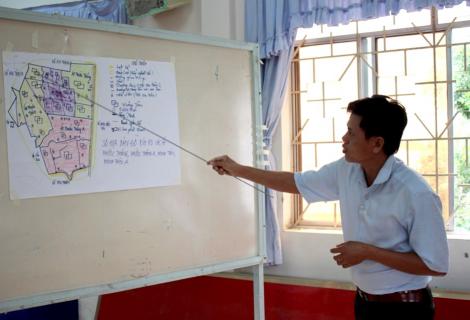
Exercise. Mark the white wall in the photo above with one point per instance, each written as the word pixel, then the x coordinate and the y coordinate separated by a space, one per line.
pixel 218 18
pixel 186 18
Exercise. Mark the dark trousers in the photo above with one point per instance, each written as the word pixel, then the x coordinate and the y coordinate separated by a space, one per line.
pixel 372 310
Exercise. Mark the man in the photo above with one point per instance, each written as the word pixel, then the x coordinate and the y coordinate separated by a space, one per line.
pixel 392 223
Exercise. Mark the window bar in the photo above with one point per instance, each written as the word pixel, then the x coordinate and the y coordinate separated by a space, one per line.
pixel 299 218
pixel 424 37
pixel 313 71
pixel 296 149
pixel 375 52
pixel 371 67
pixel 466 152
pixel 449 123
pixel 449 127
pixel 434 17
pixel 297 48
pixel 405 61
pixel 434 60
pixel 449 27
pixel 440 174
pixel 295 140
pixel 360 72
pixel 331 44
pixel 411 140
pixel 424 125
pixel 316 157
pixel 429 139
pixel 434 82
pixel 297 93
pixel 385 39
pixel 374 61
pixel 347 68
pixel 306 208
pixel 396 87
pixel 335 217
pixel 465 57
pixel 407 152
pixel 359 64
pixel 333 127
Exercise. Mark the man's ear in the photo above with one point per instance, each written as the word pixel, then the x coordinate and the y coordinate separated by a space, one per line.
pixel 378 144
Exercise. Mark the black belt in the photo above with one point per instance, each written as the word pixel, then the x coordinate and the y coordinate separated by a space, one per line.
pixel 419 295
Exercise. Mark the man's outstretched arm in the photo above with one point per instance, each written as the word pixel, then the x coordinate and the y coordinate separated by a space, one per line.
pixel 278 180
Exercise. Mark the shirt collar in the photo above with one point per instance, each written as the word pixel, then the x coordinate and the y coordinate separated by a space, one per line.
pixel 383 175
pixel 386 171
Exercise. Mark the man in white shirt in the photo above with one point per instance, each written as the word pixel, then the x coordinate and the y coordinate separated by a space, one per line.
pixel 392 223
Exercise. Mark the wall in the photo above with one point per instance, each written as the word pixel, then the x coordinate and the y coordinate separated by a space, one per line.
pixel 218 18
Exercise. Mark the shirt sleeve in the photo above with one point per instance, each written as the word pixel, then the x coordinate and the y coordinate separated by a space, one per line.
pixel 321 185
pixel 427 231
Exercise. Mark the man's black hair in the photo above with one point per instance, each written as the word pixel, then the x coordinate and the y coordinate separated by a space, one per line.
pixel 381 116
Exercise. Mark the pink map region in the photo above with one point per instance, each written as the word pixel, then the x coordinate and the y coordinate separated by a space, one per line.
pixel 67 147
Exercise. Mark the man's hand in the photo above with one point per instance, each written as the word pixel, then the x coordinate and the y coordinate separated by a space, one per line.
pixel 353 252
pixel 224 165
pixel 350 253
pixel 276 180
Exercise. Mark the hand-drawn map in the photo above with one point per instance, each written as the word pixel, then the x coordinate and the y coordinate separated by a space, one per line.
pixel 88 124
pixel 56 107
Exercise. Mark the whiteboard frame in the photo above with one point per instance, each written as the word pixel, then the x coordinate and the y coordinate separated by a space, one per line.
pixel 256 262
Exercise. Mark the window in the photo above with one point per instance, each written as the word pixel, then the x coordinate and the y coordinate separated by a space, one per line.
pixel 422 59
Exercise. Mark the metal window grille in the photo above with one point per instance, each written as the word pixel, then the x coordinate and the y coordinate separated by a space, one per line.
pixel 416 65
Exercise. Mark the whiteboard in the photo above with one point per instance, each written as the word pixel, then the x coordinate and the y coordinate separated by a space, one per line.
pixel 64 247
pixel 79 124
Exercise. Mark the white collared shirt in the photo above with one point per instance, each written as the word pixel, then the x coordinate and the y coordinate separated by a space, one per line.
pixel 399 212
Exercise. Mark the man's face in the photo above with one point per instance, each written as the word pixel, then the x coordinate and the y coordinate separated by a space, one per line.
pixel 356 147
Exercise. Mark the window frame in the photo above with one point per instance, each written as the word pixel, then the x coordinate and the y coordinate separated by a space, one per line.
pixel 366 44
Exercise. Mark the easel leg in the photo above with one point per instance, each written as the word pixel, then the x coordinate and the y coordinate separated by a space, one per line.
pixel 258 288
